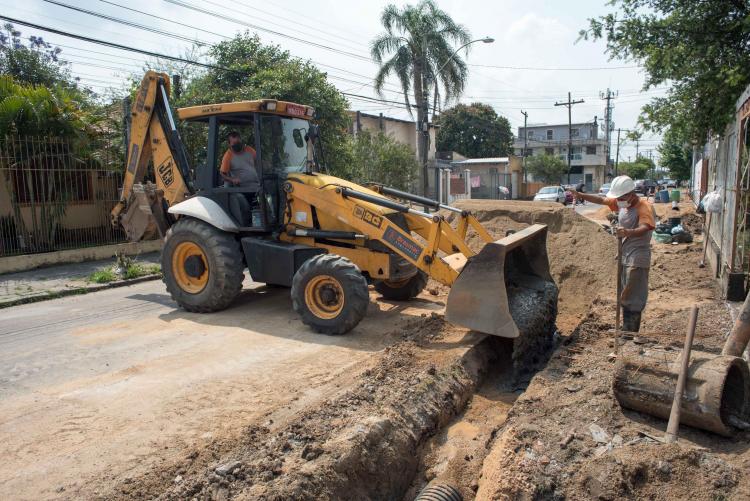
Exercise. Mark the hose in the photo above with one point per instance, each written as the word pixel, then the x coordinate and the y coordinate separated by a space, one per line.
pixel 439 492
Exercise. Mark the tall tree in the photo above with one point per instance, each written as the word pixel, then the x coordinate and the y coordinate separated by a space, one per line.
pixel 417 47
pixel 266 71
pixel 546 168
pixel 475 131
pixel 676 154
pixel 700 49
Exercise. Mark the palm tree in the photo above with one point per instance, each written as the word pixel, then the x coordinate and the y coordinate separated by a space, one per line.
pixel 417 47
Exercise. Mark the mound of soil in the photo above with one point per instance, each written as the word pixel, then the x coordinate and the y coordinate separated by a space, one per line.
pixel 359 444
pixel 582 255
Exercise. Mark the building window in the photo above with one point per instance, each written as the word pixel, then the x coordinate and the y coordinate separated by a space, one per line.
pixel 530 134
pixel 529 152
pixel 575 153
pixel 549 134
pixel 574 132
pixel 549 151
pixel 591 150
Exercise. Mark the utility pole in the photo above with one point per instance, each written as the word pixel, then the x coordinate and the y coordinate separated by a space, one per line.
pixel 617 155
pixel 525 146
pixel 424 126
pixel 609 96
pixel 569 104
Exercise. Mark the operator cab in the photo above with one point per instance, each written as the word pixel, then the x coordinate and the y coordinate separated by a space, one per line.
pixel 278 131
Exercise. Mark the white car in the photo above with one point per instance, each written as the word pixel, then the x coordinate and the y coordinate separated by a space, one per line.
pixel 604 189
pixel 550 194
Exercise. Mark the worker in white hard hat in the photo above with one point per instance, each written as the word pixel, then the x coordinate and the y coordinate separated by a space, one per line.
pixel 636 223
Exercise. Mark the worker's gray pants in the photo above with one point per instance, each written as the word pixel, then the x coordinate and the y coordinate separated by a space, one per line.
pixel 633 297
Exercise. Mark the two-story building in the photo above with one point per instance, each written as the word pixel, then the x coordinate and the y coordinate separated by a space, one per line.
pixel 588 163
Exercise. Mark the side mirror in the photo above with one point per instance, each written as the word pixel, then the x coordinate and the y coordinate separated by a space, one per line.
pixel 297 135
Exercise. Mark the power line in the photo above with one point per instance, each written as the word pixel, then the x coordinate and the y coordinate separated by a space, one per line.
pixel 181 37
pixel 154 54
pixel 267 30
pixel 127 23
pixel 543 68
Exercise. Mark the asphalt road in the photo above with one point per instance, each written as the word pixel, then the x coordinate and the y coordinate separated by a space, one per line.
pixel 96 388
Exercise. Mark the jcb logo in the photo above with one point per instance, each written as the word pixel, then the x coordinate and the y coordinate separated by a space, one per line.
pixel 166 173
pixel 367 216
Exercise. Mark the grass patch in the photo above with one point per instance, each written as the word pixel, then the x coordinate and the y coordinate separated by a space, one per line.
pixel 135 270
pixel 103 276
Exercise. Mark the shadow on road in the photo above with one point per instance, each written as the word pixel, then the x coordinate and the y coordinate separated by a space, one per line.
pixel 268 310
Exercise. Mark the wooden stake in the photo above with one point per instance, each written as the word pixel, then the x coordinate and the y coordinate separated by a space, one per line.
pixel 619 294
pixel 674 416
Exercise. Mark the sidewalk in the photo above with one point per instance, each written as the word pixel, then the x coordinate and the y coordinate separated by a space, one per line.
pixel 61 280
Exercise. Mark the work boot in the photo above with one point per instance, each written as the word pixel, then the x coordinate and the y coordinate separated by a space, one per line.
pixel 631 320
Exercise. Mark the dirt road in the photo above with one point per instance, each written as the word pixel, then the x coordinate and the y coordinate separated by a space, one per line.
pixel 96 389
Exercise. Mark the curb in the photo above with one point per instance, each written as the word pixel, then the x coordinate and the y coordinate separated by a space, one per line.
pixel 77 291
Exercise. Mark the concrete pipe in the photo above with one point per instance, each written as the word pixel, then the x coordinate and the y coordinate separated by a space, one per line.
pixel 740 333
pixel 717 392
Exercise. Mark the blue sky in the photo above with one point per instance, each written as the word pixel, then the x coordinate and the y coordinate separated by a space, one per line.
pixel 527 34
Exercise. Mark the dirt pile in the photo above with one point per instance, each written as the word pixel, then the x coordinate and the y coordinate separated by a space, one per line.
pixel 568 438
pixel 581 253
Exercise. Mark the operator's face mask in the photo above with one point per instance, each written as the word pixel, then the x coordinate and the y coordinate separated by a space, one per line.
pixel 237 147
pixel 623 204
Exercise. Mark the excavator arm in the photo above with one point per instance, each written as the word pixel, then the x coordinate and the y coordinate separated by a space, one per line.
pixel 152 141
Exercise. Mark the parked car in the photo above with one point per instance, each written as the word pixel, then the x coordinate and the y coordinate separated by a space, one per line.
pixel 551 194
pixel 645 186
pixel 604 189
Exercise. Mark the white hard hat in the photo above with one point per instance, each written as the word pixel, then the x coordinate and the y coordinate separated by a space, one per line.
pixel 621 185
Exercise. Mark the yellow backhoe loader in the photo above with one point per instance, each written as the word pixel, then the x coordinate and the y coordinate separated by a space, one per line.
pixel 325 237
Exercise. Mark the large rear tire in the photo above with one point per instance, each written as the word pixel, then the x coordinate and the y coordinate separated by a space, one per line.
pixel 402 290
pixel 201 265
pixel 330 294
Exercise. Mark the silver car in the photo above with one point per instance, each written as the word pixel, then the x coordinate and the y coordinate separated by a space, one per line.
pixel 604 189
pixel 550 194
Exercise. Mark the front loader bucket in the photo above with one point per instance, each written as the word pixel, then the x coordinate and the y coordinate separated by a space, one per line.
pixel 506 289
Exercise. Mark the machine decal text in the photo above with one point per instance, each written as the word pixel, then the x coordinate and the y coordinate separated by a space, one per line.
pixel 368 216
pixel 402 243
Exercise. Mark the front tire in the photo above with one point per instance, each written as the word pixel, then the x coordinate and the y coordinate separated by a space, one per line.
pixel 330 294
pixel 404 289
pixel 201 265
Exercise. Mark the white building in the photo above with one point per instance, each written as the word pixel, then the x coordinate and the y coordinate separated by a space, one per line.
pixel 588 154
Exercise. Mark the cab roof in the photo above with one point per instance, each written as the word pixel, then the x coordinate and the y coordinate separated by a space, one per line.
pixel 270 106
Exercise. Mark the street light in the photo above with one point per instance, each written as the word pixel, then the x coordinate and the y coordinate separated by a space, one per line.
pixel 483 40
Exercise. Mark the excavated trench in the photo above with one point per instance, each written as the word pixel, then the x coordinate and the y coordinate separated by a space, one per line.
pixel 427 408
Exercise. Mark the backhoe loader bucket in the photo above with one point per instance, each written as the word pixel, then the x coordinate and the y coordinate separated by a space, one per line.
pixel 144 217
pixel 506 289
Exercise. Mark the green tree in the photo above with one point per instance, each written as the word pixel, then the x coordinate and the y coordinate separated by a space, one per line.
pixel 700 49
pixel 378 158
pixel 36 110
pixel 546 168
pixel 35 63
pixel 266 71
pixel 417 47
pixel 676 154
pixel 474 131
pixel 636 170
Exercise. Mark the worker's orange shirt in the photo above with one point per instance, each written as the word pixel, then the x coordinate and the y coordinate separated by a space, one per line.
pixel 644 209
pixel 226 161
